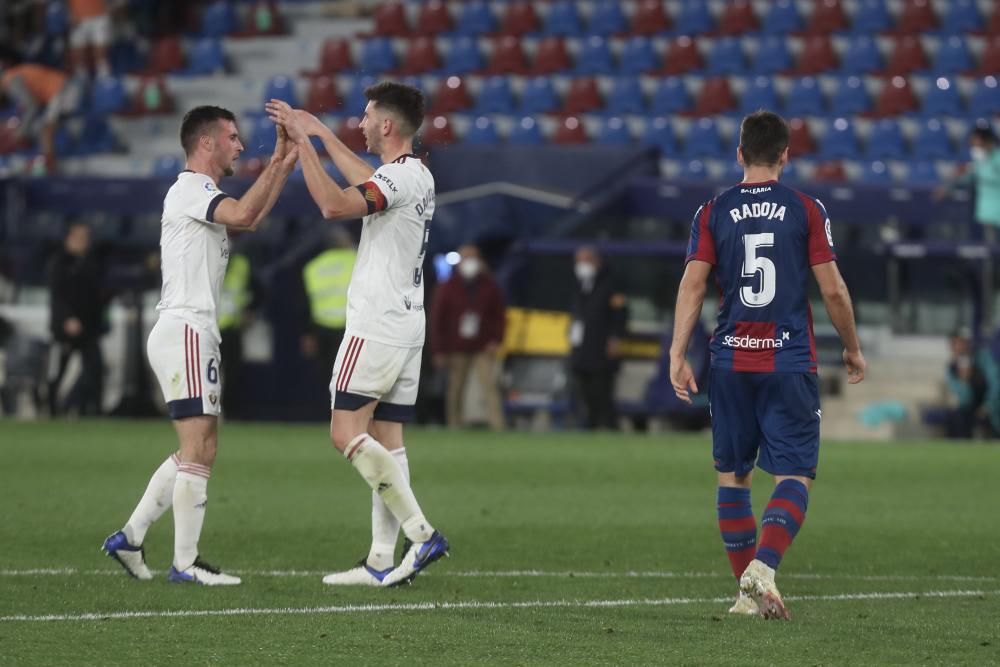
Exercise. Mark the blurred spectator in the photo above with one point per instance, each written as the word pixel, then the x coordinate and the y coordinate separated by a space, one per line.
pixel 89 37
pixel 974 389
pixel 468 317
pixel 77 321
pixel 237 303
pixel 984 175
pixel 599 317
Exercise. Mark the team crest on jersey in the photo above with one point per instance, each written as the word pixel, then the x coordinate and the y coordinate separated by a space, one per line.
pixel 829 233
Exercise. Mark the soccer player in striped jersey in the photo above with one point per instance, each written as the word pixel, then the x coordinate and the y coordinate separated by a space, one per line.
pixel 763 240
pixel 183 347
pixel 377 369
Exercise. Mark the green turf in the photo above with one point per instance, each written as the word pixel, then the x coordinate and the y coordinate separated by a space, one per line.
pixel 905 518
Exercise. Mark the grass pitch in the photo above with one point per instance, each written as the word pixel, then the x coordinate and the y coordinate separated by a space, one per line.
pixel 567 549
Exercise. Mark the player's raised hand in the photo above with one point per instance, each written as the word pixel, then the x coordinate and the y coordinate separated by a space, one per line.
pixel 281 145
pixel 855 362
pixel 682 379
pixel 284 115
pixel 313 126
pixel 288 162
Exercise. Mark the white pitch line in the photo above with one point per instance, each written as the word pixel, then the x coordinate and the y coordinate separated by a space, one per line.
pixel 472 604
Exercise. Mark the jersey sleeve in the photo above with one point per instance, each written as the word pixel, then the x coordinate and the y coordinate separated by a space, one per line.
pixel 204 197
pixel 381 191
pixel 701 246
pixel 820 235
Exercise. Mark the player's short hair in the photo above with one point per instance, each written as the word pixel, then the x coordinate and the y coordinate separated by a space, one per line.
pixel 763 138
pixel 196 122
pixel 405 101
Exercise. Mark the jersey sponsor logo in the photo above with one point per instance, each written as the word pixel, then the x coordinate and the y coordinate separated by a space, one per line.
pixel 758 209
pixel 755 191
pixel 385 179
pixel 753 343
pixel 210 187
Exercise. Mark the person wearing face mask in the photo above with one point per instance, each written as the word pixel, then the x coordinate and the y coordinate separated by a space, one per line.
pixel 468 318
pixel 973 384
pixel 597 323
pixel 984 174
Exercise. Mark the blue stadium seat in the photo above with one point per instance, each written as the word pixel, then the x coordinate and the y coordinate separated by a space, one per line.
pixel 840 141
pixel 482 132
pixel 638 56
pixel 772 56
pixel 734 172
pixel 64 143
pixel 985 98
pixel 475 19
pixel 886 141
pixel 262 137
pixel 923 173
pixel 759 94
pixel 96 137
pixel 805 98
pixel 219 19
pixel 626 97
pixel 281 88
pixel 952 57
pixel 539 96
pixel 878 173
pixel 355 100
pixel 932 142
pixel 206 57
pixel 694 170
pixel 107 96
pixel 167 166
pixel 377 56
pixel 463 56
pixel 526 131
pixel 861 56
pixel 726 57
pixel 670 97
pixel 790 172
pixel 595 57
pixel 782 18
pixel 495 96
pixel 850 97
pixel 56 19
pixel 562 20
pixel 695 18
pixel 607 18
pixel 942 98
pixel 703 140
pixel 871 17
pixel 961 16
pixel 614 131
pixel 659 133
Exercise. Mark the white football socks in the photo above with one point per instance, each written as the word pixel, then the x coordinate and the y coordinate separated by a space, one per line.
pixel 383 474
pixel 385 527
pixel 154 502
pixel 190 498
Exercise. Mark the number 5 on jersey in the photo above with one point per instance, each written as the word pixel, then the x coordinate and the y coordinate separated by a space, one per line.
pixel 762 292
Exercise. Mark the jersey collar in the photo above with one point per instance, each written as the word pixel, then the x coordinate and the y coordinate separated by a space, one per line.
pixel 770 182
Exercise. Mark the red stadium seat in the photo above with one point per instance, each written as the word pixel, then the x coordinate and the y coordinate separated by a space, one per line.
pixel 421 56
pixel 391 21
pixel 917 16
pixel 350 133
pixel 989 62
pixel 263 19
pixel 551 57
pixel 994 25
pixel 830 172
pixel 520 19
pixel 583 96
pixel 434 18
pixel 322 96
pixel 508 57
pixel 451 96
pixel 738 18
pixel 896 98
pixel 165 55
pixel 682 56
pixel 570 131
pixel 817 56
pixel 800 140
pixel 437 131
pixel 828 16
pixel 714 97
pixel 649 18
pixel 334 56
pixel 907 56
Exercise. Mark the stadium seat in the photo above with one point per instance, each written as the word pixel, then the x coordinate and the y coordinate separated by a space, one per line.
pixel 526 131
pixel 682 57
pixel 165 55
pixel 421 56
pixel 670 97
pixel 551 56
pixel 782 17
pixel 334 57
pixel 694 18
pixel 495 96
pixel 595 57
pixel 539 96
pixel 805 98
pixel 649 18
pixel 262 137
pixel 877 173
pixel 218 19
pixel 840 141
pixel 942 99
pixel 167 166
pixel 960 17
pixel 726 57
pixel 862 56
pixel 829 172
pixel 738 18
pixel 463 56
pixel 827 17
pixel 800 139
pixel 107 96
pixel 281 88
pixel 907 56
pixel 607 19
pixel 475 18
pixel 638 56
pixel 582 97
pixel 772 56
pixel 715 97
pixel 520 19
pixel 759 94
pixel 437 131
pixel 322 95
pixel 694 170
pixel 377 56
pixel 96 136
pixel 451 96
pixel 885 142
pixel 570 131
pixel 355 100
pixel 626 96
pixel 932 142
pixel 508 57
pixel 614 132
pixel 850 97
pixel 817 56
pixel 351 134
pixel 659 134
pixel 985 98
pixel 206 57
pixel 896 98
pixel 703 140
pixel 56 19
pixel 390 20
pixel 989 60
pixel 434 19
pixel 916 17
pixel 482 132
pixel 151 97
pixel 923 173
pixel 953 57
pixel 871 17
pixel 562 20
pixel 262 19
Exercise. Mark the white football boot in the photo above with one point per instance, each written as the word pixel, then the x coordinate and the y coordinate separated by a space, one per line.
pixel 745 606
pixel 758 582
pixel 202 573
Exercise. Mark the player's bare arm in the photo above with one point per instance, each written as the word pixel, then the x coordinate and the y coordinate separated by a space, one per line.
pixel 690 298
pixel 353 168
pixel 838 304
pixel 248 211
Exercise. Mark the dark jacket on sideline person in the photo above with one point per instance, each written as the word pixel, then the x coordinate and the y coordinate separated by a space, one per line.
pixel 458 298
pixel 602 314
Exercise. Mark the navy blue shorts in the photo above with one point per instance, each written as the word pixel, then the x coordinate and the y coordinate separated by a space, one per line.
pixel 771 419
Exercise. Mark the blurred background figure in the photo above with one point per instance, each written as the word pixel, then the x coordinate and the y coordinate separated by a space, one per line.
pixel 77 322
pixel 467 323
pixel 984 175
pixel 238 298
pixel 599 316
pixel 89 37
pixel 973 383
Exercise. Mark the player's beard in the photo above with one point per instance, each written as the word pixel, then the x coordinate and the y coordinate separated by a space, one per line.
pixel 373 144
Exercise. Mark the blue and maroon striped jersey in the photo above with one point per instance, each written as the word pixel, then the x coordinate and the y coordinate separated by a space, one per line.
pixel 762 239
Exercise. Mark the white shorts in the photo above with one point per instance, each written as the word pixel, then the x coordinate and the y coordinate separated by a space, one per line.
pixel 186 362
pixel 96 31
pixel 367 371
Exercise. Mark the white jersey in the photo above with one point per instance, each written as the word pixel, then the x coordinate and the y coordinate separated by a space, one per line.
pixel 194 252
pixel 385 301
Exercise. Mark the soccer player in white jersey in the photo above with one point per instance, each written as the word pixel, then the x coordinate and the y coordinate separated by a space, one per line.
pixel 183 347
pixel 377 369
